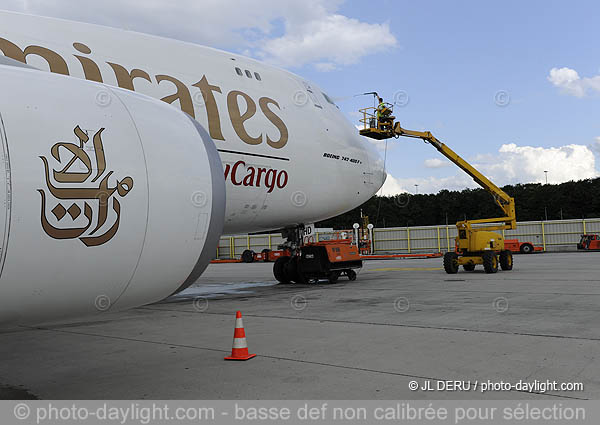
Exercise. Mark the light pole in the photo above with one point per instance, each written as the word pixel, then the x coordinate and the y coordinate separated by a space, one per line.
pixel 546 172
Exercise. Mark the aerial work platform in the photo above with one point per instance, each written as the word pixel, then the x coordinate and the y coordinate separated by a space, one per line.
pixel 374 127
pixel 477 241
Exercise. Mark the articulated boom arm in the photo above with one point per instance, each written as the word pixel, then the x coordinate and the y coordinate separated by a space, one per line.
pixel 500 197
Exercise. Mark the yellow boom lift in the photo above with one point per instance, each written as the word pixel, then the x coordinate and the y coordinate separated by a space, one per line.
pixel 477 242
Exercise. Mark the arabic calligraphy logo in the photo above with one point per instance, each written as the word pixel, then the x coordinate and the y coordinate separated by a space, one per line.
pixel 100 195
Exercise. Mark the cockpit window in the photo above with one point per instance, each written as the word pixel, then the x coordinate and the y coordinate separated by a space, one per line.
pixel 328 99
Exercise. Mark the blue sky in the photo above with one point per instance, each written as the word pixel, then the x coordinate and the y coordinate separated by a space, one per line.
pixel 453 57
pixel 456 61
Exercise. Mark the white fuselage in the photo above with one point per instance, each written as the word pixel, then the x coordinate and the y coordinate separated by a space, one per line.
pixel 289 155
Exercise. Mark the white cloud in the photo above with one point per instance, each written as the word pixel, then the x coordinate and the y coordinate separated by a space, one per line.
pixel 435 163
pixel 380 144
pixel 595 146
pixel 325 66
pixel 524 164
pixel 330 40
pixel 392 186
pixel 510 165
pixel 395 186
pixel 286 33
pixel 569 82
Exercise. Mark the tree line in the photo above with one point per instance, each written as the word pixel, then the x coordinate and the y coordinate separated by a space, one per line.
pixel 534 201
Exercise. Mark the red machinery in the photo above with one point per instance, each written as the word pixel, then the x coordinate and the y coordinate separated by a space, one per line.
pixel 305 260
pixel 514 245
pixel 523 247
pixel 589 242
pixel 319 260
pixel 266 255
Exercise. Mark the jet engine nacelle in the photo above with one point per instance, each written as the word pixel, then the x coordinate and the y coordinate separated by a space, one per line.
pixel 108 199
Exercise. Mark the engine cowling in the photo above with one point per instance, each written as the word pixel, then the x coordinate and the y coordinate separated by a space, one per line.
pixel 108 199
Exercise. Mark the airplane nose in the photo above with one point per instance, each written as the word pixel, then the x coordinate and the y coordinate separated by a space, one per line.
pixel 377 166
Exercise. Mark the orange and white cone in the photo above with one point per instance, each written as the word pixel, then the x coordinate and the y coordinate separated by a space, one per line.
pixel 240 347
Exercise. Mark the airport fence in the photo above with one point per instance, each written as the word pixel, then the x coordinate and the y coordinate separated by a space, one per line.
pixel 552 235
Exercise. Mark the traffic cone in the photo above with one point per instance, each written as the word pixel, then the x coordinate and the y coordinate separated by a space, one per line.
pixel 240 347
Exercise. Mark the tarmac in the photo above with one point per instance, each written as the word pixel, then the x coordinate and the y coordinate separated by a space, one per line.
pixel 400 321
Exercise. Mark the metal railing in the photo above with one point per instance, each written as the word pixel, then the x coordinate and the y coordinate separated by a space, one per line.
pixel 551 235
pixel 369 119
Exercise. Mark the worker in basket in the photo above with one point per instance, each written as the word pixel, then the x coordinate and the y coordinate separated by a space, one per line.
pixel 384 115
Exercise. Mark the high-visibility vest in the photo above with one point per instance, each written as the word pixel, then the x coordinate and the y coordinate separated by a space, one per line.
pixel 380 109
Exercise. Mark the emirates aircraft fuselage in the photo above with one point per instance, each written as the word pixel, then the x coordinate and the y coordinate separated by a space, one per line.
pixel 122 166
pixel 289 155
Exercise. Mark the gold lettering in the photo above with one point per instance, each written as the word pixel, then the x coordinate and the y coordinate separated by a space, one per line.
pixel 125 78
pixel 57 233
pixel 65 176
pixel 182 94
pixel 90 69
pixel 99 151
pixel 237 119
pixel 212 112
pixel 99 240
pixel 55 62
pixel 276 121
pixel 102 193
pixel 12 50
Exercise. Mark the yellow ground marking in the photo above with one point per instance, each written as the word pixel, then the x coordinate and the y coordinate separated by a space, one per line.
pixel 393 269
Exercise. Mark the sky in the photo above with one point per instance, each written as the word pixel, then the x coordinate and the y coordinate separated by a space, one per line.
pixel 512 86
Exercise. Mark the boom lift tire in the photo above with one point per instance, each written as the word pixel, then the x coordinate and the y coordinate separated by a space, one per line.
pixel 525 249
pixel 469 267
pixel 490 262
pixel 506 260
pixel 451 262
pixel 279 270
pixel 248 256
